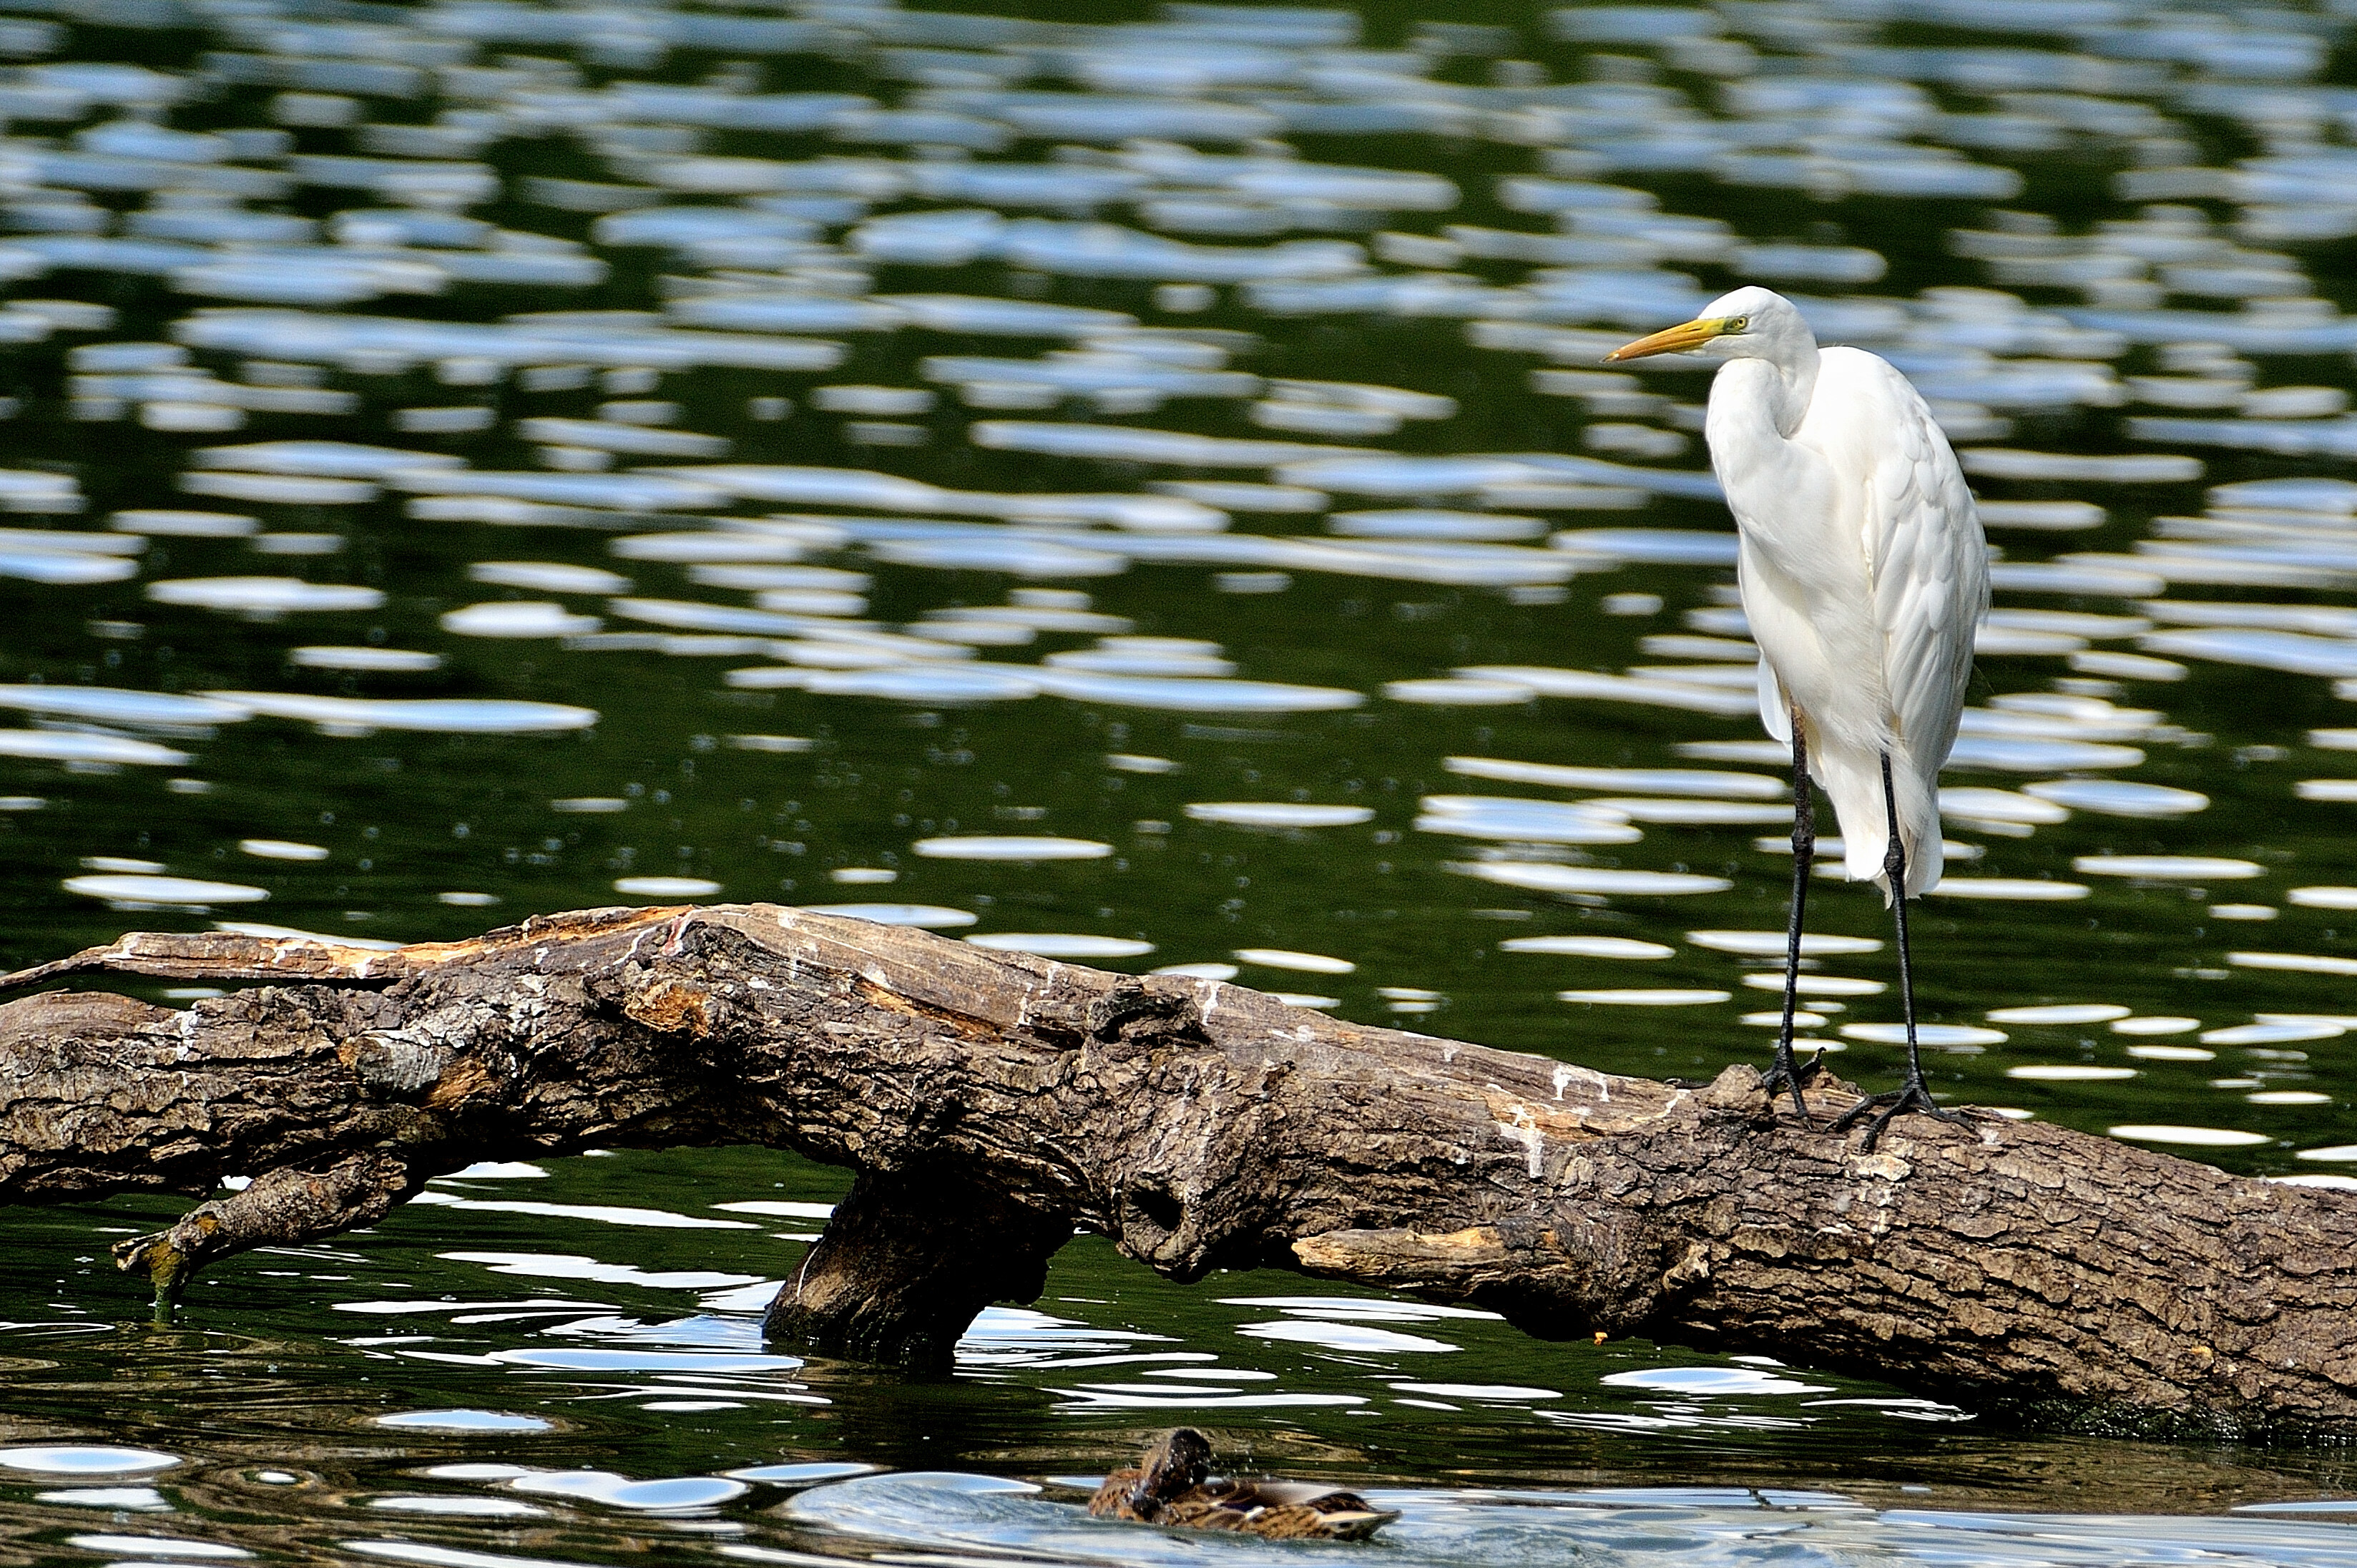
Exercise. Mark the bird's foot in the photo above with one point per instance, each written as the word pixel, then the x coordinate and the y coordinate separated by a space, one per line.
pixel 1790 1075
pixel 1913 1096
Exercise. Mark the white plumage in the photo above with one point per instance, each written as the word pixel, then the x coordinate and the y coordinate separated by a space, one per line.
pixel 1864 576
pixel 1862 566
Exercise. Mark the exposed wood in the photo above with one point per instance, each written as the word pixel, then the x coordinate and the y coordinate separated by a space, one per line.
pixel 992 1101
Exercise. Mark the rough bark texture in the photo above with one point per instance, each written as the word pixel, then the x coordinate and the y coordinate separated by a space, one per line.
pixel 992 1100
pixel 906 1260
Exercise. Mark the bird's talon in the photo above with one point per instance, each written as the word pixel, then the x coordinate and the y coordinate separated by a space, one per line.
pixel 1893 1104
pixel 1788 1075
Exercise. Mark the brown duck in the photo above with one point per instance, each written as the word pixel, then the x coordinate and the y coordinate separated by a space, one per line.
pixel 1173 1484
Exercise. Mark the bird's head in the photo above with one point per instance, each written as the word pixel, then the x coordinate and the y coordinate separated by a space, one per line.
pixel 1180 1461
pixel 1753 322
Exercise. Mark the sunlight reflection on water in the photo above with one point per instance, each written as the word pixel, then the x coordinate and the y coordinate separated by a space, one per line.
pixel 1145 489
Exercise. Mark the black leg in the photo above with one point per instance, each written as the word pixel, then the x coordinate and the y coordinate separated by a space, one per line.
pixel 1785 1073
pixel 1914 1094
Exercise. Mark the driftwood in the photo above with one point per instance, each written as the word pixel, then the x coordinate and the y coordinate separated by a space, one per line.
pixel 991 1102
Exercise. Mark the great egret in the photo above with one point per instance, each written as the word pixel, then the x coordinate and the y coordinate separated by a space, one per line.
pixel 1864 575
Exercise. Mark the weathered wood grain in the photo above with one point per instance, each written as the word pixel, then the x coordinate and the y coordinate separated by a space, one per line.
pixel 993 1102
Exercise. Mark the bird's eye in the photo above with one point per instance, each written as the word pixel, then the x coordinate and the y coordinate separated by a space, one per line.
pixel 1738 323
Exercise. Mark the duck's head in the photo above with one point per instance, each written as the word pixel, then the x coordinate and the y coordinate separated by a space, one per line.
pixel 1180 1461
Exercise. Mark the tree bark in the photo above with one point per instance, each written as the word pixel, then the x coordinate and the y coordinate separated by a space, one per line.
pixel 907 1260
pixel 992 1102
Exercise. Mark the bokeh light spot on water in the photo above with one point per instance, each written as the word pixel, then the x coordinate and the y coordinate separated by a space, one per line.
pixel 2190 867
pixel 156 892
pixel 1450 692
pixel 1589 947
pixel 2117 797
pixel 2155 1025
pixel 1816 986
pixel 1278 813
pixel 97 750
pixel 387 660
pixel 481 1420
pixel 669 1495
pixel 1947 1035
pixel 599 1213
pixel 666 887
pixel 925 917
pixel 1657 996
pixel 264 597
pixel 520 464
pixel 282 849
pixel 1014 847
pixel 518 618
pixel 1208 969
pixel 1702 1382
pixel 628 1360
pixel 95 1459
pixel 2010 889
pixel 2060 1013
pixel 1345 1337
pixel 2295 963
pixel 1773 944
pixel 460 1507
pixel 2274 1034
pixel 2194 1137
pixel 1288 958
pixel 800 1474
pixel 1525 821
pixel 1063 944
pixel 1549 878
pixel 121 1498
pixel 354 716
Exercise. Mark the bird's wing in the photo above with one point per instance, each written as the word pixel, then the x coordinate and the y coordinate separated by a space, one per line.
pixel 1775 708
pixel 1923 541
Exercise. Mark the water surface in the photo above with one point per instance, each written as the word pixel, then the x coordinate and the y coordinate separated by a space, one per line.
pixel 1140 485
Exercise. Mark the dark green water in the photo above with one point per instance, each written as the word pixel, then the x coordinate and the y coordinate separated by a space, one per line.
pixel 2086 232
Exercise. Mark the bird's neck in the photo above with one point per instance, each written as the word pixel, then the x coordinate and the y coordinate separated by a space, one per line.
pixel 1782 385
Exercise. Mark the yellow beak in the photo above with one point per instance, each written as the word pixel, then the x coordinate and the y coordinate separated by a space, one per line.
pixel 1670 340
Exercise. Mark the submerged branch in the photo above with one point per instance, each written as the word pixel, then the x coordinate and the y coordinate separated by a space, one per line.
pixel 993 1102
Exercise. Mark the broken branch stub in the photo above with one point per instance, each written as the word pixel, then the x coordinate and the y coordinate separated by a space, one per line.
pixel 991 1102
pixel 906 1260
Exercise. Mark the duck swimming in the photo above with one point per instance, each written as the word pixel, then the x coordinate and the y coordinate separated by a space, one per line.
pixel 1173 1484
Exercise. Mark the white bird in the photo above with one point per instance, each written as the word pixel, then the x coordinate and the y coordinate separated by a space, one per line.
pixel 1864 575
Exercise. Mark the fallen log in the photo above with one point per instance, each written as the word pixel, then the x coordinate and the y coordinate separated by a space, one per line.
pixel 991 1102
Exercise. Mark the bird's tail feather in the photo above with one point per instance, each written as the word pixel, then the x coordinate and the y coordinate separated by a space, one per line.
pixel 1855 784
